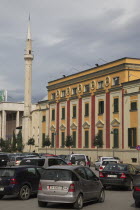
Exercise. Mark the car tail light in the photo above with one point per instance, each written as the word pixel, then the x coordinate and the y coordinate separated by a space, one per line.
pixel 13 181
pixel 69 163
pixel 101 168
pixel 136 188
pixel 40 186
pixel 101 174
pixel 123 176
pixel 72 188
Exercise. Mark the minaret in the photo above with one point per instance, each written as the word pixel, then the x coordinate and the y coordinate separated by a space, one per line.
pixel 28 57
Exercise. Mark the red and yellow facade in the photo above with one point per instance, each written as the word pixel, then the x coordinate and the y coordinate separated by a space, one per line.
pixel 94 102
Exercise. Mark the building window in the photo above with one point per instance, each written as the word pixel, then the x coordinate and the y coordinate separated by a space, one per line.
pixel 53 114
pixel 101 107
pixel 74 138
pixel 100 85
pixel 53 96
pixel 116 138
pixel 74 91
pixel 86 139
pixel 132 137
pixel 63 93
pixel 43 118
pixel 74 111
pixel 116 81
pixel 63 113
pixel 63 139
pixel 86 109
pixel 86 88
pixel 52 140
pixel 116 104
pixel 43 137
pixel 133 106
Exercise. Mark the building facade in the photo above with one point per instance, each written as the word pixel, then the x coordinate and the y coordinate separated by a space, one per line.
pixel 93 103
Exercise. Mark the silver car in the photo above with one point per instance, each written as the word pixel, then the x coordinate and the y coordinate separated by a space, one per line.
pixel 69 184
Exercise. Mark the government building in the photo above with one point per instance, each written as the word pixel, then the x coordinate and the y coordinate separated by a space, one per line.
pixel 102 101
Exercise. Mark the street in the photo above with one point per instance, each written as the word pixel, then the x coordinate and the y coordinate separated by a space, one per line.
pixel 115 199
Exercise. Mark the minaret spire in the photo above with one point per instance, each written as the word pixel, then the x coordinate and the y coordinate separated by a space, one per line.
pixel 28 57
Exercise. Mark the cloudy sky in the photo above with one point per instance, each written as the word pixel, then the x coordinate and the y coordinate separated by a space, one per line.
pixel 68 36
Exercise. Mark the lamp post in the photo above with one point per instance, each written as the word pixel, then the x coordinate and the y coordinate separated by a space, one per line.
pixel 55 142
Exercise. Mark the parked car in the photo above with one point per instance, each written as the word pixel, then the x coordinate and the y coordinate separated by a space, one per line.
pixel 62 156
pixel 43 162
pixel 19 180
pixel 69 184
pixel 99 162
pixel 107 161
pixel 14 160
pixel 116 174
pixel 77 159
pixel 136 191
pixel 4 158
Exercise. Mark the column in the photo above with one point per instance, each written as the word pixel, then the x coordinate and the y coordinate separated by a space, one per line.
pixel 80 123
pixel 68 118
pixel 92 120
pixel 17 121
pixel 57 126
pixel 4 124
pixel 122 119
pixel 108 120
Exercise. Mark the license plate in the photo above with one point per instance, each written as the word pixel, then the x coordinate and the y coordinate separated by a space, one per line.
pixel 54 187
pixel 1 188
pixel 113 176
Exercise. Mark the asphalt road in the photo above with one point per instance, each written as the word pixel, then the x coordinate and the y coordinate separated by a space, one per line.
pixel 115 199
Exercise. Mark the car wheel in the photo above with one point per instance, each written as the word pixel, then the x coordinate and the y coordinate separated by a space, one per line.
pixel 79 202
pixel 102 196
pixel 1 196
pixel 24 192
pixel 42 204
pixel 130 188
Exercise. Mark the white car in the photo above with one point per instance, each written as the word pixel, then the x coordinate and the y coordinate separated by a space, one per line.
pixel 107 161
pixel 99 162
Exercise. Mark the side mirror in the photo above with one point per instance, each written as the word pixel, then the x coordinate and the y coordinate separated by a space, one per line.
pixel 73 160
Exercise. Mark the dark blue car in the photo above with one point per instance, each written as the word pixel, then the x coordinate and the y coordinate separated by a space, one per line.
pixel 19 180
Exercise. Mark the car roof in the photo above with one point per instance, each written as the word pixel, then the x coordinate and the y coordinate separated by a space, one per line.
pixel 20 166
pixel 64 167
pixel 110 160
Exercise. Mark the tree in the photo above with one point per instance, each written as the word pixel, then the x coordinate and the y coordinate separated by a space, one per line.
pixel 5 145
pixel 31 142
pixel 46 142
pixel 98 142
pixel 14 142
pixel 20 146
pixel 69 142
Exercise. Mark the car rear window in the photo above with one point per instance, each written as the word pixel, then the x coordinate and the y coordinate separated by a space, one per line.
pixel 6 172
pixel 107 162
pixel 38 162
pixel 19 158
pixel 58 175
pixel 79 157
pixel 115 167
pixel 3 157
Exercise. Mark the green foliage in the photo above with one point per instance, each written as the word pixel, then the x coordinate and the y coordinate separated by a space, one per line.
pixel 20 146
pixel 46 142
pixel 98 141
pixel 31 141
pixel 14 149
pixel 5 145
pixel 69 141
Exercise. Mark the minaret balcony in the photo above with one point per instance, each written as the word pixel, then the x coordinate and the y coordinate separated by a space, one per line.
pixel 28 56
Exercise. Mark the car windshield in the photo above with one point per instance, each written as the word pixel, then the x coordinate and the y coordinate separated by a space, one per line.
pixel 58 175
pixel 115 167
pixel 6 172
pixel 36 162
